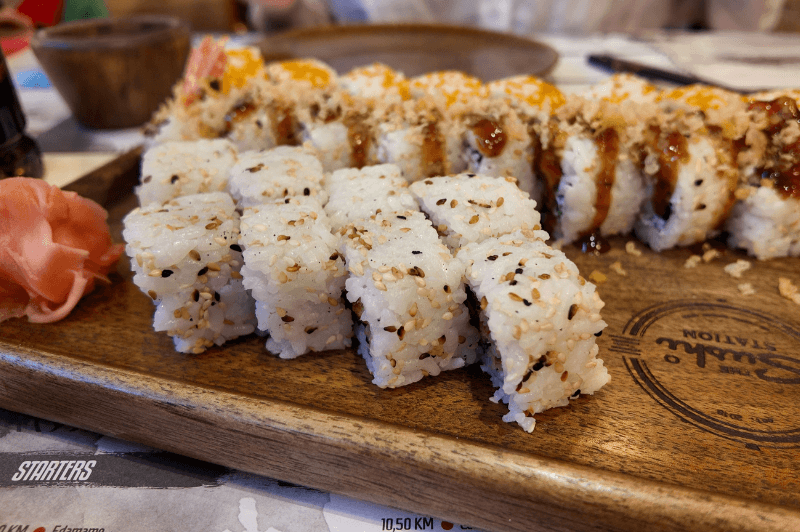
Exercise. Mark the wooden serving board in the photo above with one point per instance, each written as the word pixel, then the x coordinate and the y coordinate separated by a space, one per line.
pixel 699 428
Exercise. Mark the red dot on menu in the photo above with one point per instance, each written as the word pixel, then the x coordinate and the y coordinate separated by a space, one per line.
pixel 445 526
pixel 40 529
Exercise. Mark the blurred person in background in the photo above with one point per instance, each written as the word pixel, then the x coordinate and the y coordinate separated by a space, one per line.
pixel 526 17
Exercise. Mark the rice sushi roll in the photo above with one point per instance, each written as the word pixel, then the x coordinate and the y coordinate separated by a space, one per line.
pixel 281 172
pixel 691 167
pixel 182 168
pixel 469 208
pixel 407 292
pixel 356 194
pixel 186 258
pixel 296 276
pixel 376 82
pixel 540 318
pixel 590 167
pixel 534 101
pixel 765 220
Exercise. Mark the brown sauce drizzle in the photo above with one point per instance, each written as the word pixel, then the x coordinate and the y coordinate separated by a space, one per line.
pixel 608 149
pixel 547 168
pixel 359 136
pixel 784 173
pixel 284 124
pixel 237 114
pixel 491 137
pixel 672 150
pixel 432 151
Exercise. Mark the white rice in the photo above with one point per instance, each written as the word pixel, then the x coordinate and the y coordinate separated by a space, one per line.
pixel 541 318
pixel 281 172
pixel 470 208
pixel 358 194
pixel 185 256
pixel 296 276
pixel 182 168
pixel 407 291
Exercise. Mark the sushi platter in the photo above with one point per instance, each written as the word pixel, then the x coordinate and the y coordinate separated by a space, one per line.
pixel 697 430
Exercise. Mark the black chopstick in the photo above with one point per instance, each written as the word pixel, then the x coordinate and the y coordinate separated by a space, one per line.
pixel 614 64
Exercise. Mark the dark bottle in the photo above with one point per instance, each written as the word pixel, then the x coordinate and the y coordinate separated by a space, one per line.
pixel 19 154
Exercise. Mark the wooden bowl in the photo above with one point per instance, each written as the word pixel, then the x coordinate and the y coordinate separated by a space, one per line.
pixel 114 73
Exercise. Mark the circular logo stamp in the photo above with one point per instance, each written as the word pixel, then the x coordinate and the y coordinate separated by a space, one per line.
pixel 727 370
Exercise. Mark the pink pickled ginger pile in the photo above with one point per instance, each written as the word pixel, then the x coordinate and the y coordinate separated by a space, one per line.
pixel 54 245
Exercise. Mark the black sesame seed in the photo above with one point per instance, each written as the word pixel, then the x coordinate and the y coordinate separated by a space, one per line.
pixel 166 273
pixel 492 257
pixel 310 330
pixel 287 319
pixel 441 201
pixel 306 191
pixel 216 296
pixel 577 393
pixel 390 328
pixel 416 252
pixel 334 256
pixel 599 334
pixel 196 295
pixel 526 302
pixel 214 84
pixel 513 282
pixel 698 182
pixel 174 178
pixel 401 332
pixel 402 217
pixel 518 270
pixel 203 271
pixel 236 247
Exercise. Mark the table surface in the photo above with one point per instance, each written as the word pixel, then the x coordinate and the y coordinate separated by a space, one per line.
pixel 192 494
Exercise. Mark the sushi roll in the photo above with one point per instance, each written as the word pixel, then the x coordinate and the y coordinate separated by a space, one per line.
pixel 765 220
pixel 469 208
pixel 285 171
pixel 691 166
pixel 356 194
pixel 182 168
pixel 590 168
pixel 186 258
pixel 419 138
pixel 296 276
pixel 407 292
pixel 540 318
pixel 534 101
pixel 423 135
pixel 338 129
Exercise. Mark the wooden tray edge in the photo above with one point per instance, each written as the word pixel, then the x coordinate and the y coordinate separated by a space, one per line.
pixel 496 490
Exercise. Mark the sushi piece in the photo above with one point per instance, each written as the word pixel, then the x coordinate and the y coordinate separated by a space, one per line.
pixel 419 138
pixel 182 168
pixel 534 101
pixel 469 208
pixel 356 194
pixel 691 166
pixel 765 220
pixel 296 276
pixel 338 129
pixel 540 318
pixel 281 172
pixel 408 294
pixel 186 257
pixel 224 94
pixel 590 168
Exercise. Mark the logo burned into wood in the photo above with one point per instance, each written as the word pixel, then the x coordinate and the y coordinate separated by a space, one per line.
pixel 727 370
